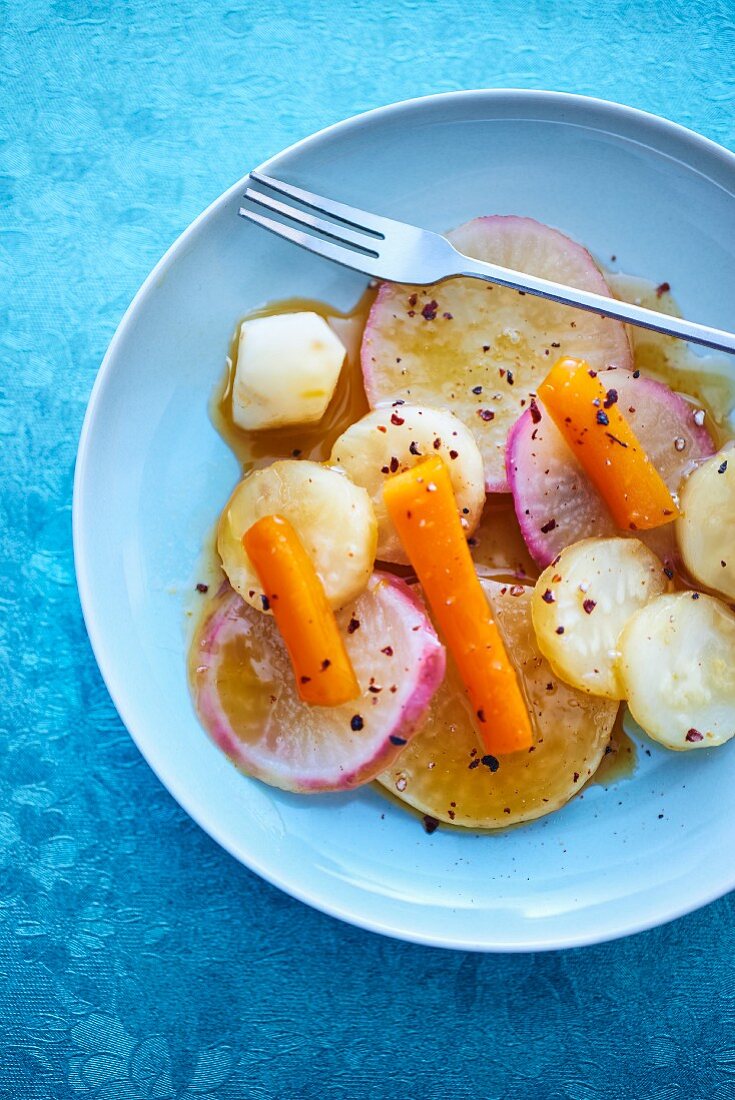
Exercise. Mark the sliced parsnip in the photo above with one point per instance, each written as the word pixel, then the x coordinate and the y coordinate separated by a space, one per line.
pixel 705 530
pixel 392 439
pixel 582 602
pixel 677 667
pixel 332 517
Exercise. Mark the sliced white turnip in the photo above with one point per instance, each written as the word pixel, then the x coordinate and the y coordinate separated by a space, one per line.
pixel 705 530
pixel 333 518
pixel 677 666
pixel 555 502
pixel 446 774
pixel 582 602
pixel 395 437
pixel 481 350
pixel 245 694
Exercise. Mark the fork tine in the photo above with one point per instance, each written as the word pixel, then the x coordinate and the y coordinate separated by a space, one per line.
pixel 359 219
pixel 330 229
pixel 344 256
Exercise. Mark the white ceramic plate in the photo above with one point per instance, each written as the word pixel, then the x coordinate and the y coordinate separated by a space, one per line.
pixel 152 474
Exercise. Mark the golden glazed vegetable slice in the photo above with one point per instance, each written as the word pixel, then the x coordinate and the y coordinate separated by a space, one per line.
pixel 445 773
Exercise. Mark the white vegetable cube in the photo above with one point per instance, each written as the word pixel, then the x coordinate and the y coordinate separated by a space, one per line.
pixel 287 370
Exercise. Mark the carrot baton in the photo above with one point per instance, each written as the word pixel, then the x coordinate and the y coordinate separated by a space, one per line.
pixel 324 673
pixel 422 507
pixel 585 412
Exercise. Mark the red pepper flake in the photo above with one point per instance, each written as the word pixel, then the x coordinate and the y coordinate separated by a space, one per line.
pixel 510 377
pixel 356 723
pixel 413 300
pixel 589 606
pixel 694 735
pixel 412 313
pixel 437 443
pixel 481 715
pixel 517 590
pixel 602 418
pixel 721 469
pixel 396 740
pixel 382 428
pixel 388 650
pixel 375 690
pixel 477 390
pixel 325 664
pixel 393 464
pixel 695 595
pixel 202 587
pixel 555 345
pixel 560 630
pixel 454 454
pixel 548 596
pixel 611 398
pixel 535 412
pixel 265 602
pixel 662 288
pixel 592 373
pixel 472 542
pixel 550 526
pixel 385 470
pixel 490 762
pixel 473 764
pixel 486 415
pixel 575 777
pixel 486 347
pixel 353 625
pixel 636 374
pixel 414 448
pixel 430 824
pixel 429 310
pixel 448 316
pixel 397 420
pixel 305 679
pixel 506 809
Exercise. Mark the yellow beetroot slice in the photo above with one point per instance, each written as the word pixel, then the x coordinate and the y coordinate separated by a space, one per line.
pixel 481 350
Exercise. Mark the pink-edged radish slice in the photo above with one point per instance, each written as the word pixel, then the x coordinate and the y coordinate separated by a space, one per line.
pixel 244 690
pixel 481 350
pixel 555 502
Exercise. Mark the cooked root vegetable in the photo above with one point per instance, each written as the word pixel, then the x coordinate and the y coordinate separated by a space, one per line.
pixel 322 669
pixel 333 518
pixel 582 602
pixel 394 438
pixel 287 369
pixel 705 530
pixel 443 774
pixel 677 667
pixel 557 504
pixel 246 697
pixel 587 413
pixel 421 505
pixel 481 350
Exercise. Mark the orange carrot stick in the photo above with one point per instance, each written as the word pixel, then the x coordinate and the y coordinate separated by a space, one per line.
pixel 422 507
pixel 324 673
pixel 585 412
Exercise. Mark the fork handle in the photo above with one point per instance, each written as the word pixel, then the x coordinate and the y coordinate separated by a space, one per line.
pixel 597 303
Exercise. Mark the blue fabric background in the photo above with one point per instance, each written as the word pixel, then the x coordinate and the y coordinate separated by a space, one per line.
pixel 136 958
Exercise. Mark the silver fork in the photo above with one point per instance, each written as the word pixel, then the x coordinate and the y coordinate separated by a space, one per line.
pixel 402 253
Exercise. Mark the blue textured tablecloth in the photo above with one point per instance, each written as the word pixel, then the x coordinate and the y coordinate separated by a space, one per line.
pixel 136 958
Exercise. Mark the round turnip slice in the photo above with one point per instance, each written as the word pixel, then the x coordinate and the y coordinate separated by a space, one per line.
pixel 446 773
pixel 246 698
pixel 480 350
pixel 556 504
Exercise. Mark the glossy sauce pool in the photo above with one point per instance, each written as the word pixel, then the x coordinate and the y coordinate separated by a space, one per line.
pixel 497 546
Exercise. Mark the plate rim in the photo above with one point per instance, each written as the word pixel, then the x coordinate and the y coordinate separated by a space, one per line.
pixel 188 801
